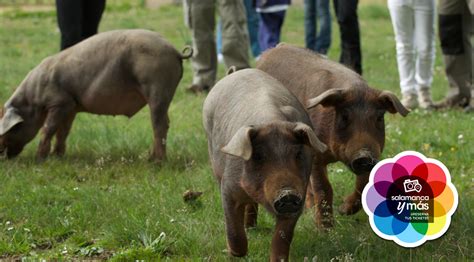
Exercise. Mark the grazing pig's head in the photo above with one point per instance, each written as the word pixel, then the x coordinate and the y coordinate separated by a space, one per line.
pixel 276 163
pixel 15 132
pixel 351 122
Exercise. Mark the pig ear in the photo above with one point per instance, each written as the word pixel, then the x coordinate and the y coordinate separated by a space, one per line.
pixel 391 103
pixel 240 144
pixel 329 98
pixel 10 119
pixel 231 70
pixel 310 138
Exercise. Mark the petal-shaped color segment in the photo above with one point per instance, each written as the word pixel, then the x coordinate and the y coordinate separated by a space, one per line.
pixel 410 235
pixel 410 162
pixel 446 199
pixel 436 173
pixel 438 208
pixel 437 225
pixel 398 226
pixel 421 171
pixel 421 227
pixel 384 173
pixel 384 224
pixel 437 187
pixel 373 199
pixel 389 225
pixel 382 187
pixel 398 171
pixel 382 210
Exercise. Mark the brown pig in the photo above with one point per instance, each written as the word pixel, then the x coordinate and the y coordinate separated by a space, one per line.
pixel 347 115
pixel 112 73
pixel 261 145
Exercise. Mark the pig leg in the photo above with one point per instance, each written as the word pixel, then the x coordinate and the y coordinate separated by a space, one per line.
pixel 309 203
pixel 61 135
pixel 282 237
pixel 352 204
pixel 234 223
pixel 322 191
pixel 56 116
pixel 251 213
pixel 160 123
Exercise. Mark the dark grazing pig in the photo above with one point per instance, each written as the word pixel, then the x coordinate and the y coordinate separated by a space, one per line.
pixel 261 144
pixel 347 115
pixel 112 73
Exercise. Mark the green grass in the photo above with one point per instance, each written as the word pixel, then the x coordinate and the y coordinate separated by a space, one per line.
pixel 105 200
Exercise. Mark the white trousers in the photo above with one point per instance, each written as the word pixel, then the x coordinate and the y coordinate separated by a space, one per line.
pixel 414 25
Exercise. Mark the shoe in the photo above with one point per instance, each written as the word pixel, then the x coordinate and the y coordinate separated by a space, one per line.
pixel 469 109
pixel 409 100
pixel 451 102
pixel 220 58
pixel 197 89
pixel 424 98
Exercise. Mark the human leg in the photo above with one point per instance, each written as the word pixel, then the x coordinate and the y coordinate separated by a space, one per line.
pixel 323 40
pixel 402 16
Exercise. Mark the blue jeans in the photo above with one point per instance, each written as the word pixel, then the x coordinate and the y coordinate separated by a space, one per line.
pixel 314 10
pixel 269 31
pixel 252 25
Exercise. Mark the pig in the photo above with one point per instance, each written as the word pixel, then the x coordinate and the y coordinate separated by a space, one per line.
pixel 347 114
pixel 112 73
pixel 261 144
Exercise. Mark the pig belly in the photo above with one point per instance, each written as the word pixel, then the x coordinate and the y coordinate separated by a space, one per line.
pixel 119 103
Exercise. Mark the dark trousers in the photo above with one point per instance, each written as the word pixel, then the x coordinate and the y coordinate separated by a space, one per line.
pixel 270 29
pixel 346 12
pixel 456 27
pixel 78 19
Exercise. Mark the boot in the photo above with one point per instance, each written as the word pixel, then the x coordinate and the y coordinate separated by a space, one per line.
pixel 424 98
pixel 409 100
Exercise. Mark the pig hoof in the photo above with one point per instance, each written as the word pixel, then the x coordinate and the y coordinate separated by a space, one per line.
pixel 155 160
pixel 250 225
pixel 325 224
pixel 349 209
pixel 40 159
pixel 59 152
pixel 237 253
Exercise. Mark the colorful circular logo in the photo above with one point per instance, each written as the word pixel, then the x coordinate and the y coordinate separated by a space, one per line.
pixel 410 199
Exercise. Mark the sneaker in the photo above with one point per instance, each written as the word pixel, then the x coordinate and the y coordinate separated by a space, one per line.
pixel 409 100
pixel 424 98
pixel 197 89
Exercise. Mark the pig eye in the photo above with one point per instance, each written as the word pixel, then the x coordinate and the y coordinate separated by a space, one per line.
pixel 380 118
pixel 257 157
pixel 343 119
pixel 299 154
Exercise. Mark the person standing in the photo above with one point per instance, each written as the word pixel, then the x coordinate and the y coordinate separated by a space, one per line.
pixel 346 13
pixel 315 10
pixel 414 27
pixel 456 26
pixel 78 19
pixel 272 15
pixel 200 19
pixel 252 26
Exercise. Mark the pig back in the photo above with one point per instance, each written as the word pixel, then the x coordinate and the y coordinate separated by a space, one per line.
pixel 247 97
pixel 305 73
pixel 116 68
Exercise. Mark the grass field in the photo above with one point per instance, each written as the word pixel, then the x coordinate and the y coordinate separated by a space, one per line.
pixel 105 200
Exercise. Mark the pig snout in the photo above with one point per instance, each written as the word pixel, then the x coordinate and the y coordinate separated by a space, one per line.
pixel 363 163
pixel 288 201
